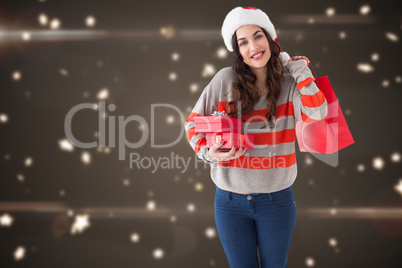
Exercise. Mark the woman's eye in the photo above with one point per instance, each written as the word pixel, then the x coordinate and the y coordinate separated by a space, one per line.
pixel 258 37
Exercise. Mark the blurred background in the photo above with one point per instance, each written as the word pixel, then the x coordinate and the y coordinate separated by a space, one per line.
pixel 64 206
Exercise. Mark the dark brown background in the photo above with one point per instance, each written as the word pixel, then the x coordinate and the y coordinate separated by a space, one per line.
pixel 142 65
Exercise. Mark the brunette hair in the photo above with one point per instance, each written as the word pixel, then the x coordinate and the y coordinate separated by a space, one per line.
pixel 243 87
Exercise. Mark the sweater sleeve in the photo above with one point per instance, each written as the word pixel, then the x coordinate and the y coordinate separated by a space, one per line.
pixel 207 103
pixel 309 102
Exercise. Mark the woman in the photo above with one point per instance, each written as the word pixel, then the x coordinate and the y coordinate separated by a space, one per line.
pixel 254 202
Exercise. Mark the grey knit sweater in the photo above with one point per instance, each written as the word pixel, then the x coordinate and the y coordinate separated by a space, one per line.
pixel 271 165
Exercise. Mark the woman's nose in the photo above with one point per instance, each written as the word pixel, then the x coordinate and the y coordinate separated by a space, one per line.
pixel 253 46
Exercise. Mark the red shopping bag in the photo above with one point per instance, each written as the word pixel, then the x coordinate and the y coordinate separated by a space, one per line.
pixel 329 135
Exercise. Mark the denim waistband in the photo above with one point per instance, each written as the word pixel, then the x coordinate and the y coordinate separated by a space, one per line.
pixel 271 195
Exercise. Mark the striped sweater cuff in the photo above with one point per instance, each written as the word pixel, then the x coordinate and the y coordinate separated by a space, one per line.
pixel 204 155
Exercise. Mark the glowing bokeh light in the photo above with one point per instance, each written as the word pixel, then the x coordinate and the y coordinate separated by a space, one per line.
pixel 365 67
pixel 80 224
pixel 90 21
pixel 365 9
pixel 330 12
pixel 6 220
pixel 55 24
pixel 19 253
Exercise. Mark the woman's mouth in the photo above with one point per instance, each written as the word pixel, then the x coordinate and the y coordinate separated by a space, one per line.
pixel 258 56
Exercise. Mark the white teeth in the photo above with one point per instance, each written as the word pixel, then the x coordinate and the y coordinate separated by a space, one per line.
pixel 259 54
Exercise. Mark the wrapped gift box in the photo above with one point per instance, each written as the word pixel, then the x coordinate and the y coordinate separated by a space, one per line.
pixel 205 124
pixel 225 128
pixel 230 138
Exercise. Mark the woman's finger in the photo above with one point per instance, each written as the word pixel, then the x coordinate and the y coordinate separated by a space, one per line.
pixel 231 152
pixel 301 57
pixel 243 151
pixel 239 153
pixel 216 146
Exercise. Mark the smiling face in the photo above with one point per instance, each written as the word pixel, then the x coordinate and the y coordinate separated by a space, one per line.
pixel 252 41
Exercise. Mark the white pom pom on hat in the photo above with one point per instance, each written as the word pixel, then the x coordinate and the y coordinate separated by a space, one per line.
pixel 240 16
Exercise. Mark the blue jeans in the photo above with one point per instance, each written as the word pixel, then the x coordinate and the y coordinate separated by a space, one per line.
pixel 245 221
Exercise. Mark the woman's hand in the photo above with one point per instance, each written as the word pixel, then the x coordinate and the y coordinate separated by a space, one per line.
pixel 217 155
pixel 295 58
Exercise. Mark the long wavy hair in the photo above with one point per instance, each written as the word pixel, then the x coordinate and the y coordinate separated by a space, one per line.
pixel 244 88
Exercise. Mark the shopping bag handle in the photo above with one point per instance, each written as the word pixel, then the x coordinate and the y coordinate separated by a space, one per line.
pixel 309 62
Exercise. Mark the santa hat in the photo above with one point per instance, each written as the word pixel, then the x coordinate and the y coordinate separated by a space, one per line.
pixel 240 16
